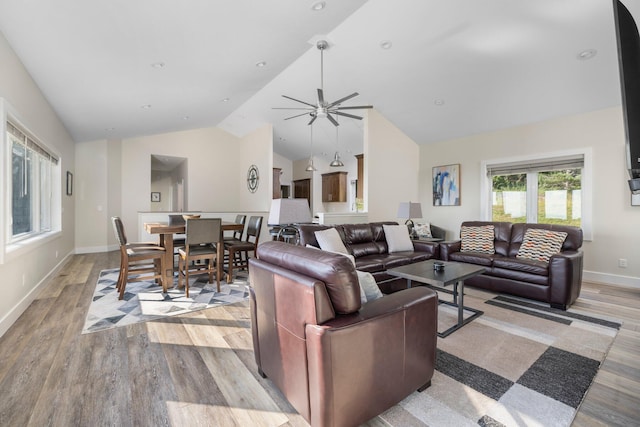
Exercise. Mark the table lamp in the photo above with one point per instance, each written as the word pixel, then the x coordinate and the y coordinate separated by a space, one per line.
pixel 410 210
pixel 286 212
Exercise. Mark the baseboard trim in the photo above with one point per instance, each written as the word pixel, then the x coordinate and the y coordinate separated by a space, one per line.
pixel 13 314
pixel 96 249
pixel 612 279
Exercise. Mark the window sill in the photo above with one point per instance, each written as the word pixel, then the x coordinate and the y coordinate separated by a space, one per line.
pixel 18 249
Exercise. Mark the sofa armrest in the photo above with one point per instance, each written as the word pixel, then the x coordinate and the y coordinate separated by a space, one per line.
pixel 565 278
pixel 432 248
pixel 373 358
pixel 447 248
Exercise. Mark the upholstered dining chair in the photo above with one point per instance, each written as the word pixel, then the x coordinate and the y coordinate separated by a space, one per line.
pixel 143 261
pixel 238 252
pixel 237 234
pixel 202 237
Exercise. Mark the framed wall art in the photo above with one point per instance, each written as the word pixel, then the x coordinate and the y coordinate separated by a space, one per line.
pixel 69 183
pixel 155 196
pixel 446 185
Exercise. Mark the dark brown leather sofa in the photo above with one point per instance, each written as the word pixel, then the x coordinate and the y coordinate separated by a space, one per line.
pixel 557 282
pixel 367 243
pixel 337 362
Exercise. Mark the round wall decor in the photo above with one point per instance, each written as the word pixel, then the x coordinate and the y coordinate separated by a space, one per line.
pixel 253 178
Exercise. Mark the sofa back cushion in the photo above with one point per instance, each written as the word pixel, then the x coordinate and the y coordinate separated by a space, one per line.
pixel 334 270
pixel 573 242
pixel 502 234
pixel 360 239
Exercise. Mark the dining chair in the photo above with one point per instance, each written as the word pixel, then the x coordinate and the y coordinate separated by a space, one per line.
pixel 237 234
pixel 138 261
pixel 238 252
pixel 202 237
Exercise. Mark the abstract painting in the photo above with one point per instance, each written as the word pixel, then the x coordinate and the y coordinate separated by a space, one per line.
pixel 446 185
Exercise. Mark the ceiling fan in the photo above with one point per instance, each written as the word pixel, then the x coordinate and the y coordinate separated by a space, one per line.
pixel 323 108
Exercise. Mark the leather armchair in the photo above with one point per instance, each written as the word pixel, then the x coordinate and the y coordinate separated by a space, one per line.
pixel 337 362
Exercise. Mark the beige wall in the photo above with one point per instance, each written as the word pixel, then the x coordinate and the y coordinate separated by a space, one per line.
pixel 392 163
pixel 616 225
pixel 23 275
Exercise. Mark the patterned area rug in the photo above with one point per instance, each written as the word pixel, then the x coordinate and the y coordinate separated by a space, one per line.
pixel 144 301
pixel 519 364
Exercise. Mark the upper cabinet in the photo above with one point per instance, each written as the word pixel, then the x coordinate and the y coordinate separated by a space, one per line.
pixel 334 187
pixel 277 194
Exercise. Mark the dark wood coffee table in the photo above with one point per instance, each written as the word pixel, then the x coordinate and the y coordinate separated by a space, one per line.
pixel 454 274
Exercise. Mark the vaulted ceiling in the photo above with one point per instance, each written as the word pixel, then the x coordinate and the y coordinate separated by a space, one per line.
pixel 122 68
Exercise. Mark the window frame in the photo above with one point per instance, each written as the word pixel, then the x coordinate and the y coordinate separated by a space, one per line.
pixel 586 183
pixel 11 248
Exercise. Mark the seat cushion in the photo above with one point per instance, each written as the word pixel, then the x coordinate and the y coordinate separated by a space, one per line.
pixel 525 265
pixel 472 258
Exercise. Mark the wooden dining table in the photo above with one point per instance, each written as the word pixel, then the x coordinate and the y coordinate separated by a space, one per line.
pixel 166 232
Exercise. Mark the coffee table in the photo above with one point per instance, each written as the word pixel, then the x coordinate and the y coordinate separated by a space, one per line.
pixel 454 274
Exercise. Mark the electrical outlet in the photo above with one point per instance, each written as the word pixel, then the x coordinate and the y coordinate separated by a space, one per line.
pixel 622 263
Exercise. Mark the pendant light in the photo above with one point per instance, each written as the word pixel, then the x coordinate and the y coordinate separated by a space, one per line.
pixel 310 167
pixel 336 163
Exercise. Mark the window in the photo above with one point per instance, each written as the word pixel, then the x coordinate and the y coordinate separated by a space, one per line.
pixel 33 170
pixel 546 190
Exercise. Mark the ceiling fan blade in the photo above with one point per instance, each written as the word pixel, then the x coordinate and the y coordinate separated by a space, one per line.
pixel 341 100
pixel 313 119
pixel 346 115
pixel 355 107
pixel 297 115
pixel 297 100
pixel 332 120
pixel 292 108
pixel 320 97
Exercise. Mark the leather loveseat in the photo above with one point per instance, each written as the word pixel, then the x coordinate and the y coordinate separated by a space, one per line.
pixel 556 282
pixel 338 362
pixel 368 245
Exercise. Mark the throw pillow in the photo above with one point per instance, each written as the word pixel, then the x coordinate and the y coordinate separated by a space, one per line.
pixel 422 229
pixel 369 289
pixel 477 239
pixel 329 240
pixel 540 245
pixel 397 237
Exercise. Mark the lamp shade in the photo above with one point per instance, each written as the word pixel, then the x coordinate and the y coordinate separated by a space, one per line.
pixel 289 211
pixel 409 210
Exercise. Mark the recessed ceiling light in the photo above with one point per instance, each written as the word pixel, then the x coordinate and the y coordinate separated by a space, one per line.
pixel 386 44
pixel 439 102
pixel 319 5
pixel 145 106
pixel 261 64
pixel 225 100
pixel 185 118
pixel 587 54
pixel 158 65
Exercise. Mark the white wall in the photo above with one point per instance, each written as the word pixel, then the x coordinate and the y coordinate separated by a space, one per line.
pixel 616 224
pixel 392 162
pixel 286 169
pixel 23 276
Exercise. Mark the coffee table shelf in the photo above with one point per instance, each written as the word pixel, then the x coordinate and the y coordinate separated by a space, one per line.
pixel 454 274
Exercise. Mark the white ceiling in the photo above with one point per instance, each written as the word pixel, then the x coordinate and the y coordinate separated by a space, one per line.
pixel 494 63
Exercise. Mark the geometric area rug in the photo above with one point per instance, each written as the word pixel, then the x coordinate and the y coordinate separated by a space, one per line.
pixel 144 301
pixel 521 363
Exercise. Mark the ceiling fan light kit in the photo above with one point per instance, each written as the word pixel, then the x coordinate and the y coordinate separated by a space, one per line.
pixel 322 108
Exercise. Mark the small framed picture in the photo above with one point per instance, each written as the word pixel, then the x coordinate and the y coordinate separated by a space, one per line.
pixel 69 183
pixel 155 196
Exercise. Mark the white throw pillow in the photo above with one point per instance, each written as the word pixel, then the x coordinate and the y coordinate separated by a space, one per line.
pixel 398 239
pixel 369 289
pixel 329 240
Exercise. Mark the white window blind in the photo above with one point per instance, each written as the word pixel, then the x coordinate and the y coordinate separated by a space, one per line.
pixel 549 164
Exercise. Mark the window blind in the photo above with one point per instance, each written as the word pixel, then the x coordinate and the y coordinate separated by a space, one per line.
pixel 30 143
pixel 549 164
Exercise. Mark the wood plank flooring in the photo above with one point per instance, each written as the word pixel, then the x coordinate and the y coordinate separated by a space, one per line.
pixel 198 369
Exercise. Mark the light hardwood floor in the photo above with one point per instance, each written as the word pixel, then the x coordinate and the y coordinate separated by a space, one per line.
pixel 199 369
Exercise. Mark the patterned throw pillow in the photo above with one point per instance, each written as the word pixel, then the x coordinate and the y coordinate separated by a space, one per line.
pixel 477 239
pixel 422 229
pixel 540 245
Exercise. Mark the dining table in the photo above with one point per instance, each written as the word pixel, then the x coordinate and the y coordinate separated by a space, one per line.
pixel 166 232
